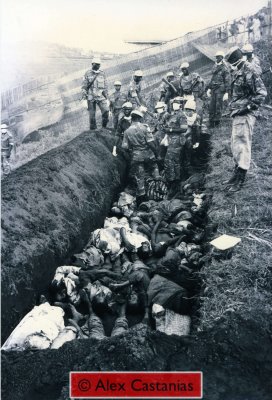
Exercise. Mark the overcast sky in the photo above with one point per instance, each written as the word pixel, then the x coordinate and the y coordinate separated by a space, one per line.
pixel 104 24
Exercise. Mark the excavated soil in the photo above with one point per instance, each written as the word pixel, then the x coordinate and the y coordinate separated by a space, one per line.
pixel 49 208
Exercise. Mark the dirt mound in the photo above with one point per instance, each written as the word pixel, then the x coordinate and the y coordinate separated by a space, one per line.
pixel 234 365
pixel 49 208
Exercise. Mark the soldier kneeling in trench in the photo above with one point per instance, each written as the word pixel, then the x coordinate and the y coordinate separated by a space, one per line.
pixel 139 141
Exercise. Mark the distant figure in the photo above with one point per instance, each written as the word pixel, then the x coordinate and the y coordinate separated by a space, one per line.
pixel 139 140
pixel 218 89
pixel 117 99
pixel 247 50
pixel 94 90
pixel 6 148
pixel 134 90
pixel 250 30
pixel 247 94
pixel 192 86
pixel 256 29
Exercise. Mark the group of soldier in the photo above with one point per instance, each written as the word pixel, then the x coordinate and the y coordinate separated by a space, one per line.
pixel 160 142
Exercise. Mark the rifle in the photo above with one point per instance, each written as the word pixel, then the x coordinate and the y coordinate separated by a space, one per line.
pixel 268 70
pixel 170 85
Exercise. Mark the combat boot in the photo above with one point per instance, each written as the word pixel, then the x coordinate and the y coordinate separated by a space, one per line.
pixel 238 184
pixel 233 178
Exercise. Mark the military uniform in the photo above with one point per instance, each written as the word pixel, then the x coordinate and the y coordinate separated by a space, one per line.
pixel 192 85
pixel 175 126
pixel 247 93
pixel 123 124
pixel 6 146
pixel 136 140
pixel 134 91
pixel 94 87
pixel 219 84
pixel 255 63
pixel 117 99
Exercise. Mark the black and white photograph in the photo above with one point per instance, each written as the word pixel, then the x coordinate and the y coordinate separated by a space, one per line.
pixel 136 212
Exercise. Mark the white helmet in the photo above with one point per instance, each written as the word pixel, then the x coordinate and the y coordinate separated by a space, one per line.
pixel 247 48
pixel 220 53
pixel 117 83
pixel 96 60
pixel 137 112
pixel 127 104
pixel 178 99
pixel 185 65
pixel 4 126
pixel 170 74
pixel 160 104
pixel 190 104
pixel 138 73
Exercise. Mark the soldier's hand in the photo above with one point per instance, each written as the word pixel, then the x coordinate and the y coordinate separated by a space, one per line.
pixel 114 153
pixel 225 97
pixel 209 93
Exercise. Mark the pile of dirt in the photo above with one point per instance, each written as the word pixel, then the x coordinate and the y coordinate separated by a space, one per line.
pixel 49 207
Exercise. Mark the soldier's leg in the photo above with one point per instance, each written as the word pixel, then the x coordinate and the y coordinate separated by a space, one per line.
pixel 218 107
pixel 92 110
pixel 104 108
pixel 115 119
pixel 212 108
pixel 241 140
pixel 139 175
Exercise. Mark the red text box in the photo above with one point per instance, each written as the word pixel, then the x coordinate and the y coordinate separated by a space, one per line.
pixel 133 385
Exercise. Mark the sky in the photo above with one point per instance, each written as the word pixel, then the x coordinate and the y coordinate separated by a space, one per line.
pixel 103 25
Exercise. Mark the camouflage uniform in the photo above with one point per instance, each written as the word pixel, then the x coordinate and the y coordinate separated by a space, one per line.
pixel 136 139
pixel 94 87
pixel 219 84
pixel 247 93
pixel 134 91
pixel 175 127
pixel 6 146
pixel 193 85
pixel 255 63
pixel 117 99
pixel 123 124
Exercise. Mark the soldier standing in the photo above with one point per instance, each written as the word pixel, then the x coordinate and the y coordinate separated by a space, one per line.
pixel 218 89
pixel 247 50
pixel 247 93
pixel 124 123
pixel 117 99
pixel 176 128
pixel 94 90
pixel 192 86
pixel 134 90
pixel 139 140
pixel 6 147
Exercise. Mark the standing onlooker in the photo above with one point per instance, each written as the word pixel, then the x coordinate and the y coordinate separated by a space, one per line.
pixel 94 90
pixel 218 89
pixel 247 93
pixel 117 99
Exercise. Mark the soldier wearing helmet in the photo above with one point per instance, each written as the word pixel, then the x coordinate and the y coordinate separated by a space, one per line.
pixel 95 91
pixel 191 85
pixel 139 141
pixel 248 52
pixel 195 129
pixel 134 89
pixel 247 94
pixel 175 127
pixel 117 99
pixel 166 89
pixel 124 122
pixel 218 89
pixel 6 145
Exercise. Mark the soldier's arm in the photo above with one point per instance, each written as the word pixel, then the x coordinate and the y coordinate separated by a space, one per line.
pixel 105 91
pixel 258 89
pixel 227 80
